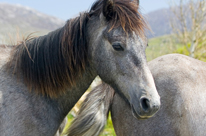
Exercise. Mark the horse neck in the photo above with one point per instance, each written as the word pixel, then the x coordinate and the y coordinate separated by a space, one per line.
pixel 64 103
pixel 52 110
pixel 67 100
pixel 52 63
pixel 40 57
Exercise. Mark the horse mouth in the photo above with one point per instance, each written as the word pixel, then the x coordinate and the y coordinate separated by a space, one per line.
pixel 137 116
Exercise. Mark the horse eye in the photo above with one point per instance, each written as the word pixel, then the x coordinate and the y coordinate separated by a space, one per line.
pixel 117 47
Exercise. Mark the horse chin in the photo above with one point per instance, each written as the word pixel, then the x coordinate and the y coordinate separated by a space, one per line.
pixel 137 116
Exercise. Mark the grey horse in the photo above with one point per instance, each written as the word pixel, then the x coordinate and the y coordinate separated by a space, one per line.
pixel 45 76
pixel 4 53
pixel 181 83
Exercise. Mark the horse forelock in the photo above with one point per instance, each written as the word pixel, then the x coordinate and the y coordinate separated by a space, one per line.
pixel 126 14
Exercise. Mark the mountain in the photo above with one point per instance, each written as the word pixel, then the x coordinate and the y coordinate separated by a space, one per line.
pixel 20 20
pixel 17 20
pixel 159 22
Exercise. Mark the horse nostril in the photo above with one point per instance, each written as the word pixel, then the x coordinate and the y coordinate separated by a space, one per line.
pixel 145 103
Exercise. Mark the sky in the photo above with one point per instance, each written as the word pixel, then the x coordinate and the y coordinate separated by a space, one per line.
pixel 65 9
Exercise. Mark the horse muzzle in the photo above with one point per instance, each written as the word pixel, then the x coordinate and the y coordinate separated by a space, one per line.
pixel 146 108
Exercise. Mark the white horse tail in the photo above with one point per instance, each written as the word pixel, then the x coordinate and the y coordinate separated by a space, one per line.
pixel 93 113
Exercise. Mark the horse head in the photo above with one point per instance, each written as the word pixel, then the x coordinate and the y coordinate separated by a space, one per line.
pixel 117 46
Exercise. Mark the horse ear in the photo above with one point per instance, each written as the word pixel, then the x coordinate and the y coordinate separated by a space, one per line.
pixel 108 9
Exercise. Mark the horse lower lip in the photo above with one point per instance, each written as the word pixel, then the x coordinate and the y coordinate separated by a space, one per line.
pixel 136 115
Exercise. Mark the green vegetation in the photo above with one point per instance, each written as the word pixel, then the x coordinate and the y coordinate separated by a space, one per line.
pixel 159 46
pixel 70 119
pixel 167 44
pixel 200 52
pixel 109 130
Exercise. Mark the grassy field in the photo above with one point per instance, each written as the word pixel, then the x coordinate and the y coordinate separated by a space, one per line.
pixel 159 46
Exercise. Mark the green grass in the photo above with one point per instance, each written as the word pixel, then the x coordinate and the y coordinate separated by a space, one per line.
pixel 109 130
pixel 159 46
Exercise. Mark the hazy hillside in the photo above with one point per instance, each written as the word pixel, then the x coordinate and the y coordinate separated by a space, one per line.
pixel 159 22
pixel 24 20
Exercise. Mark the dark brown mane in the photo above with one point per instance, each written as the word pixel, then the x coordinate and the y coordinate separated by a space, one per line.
pixel 52 63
